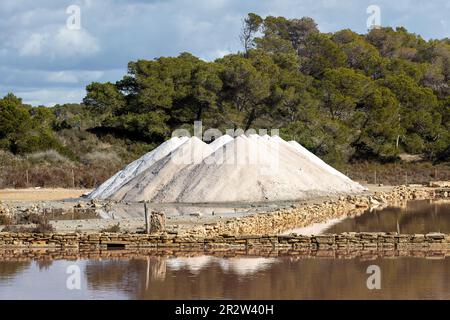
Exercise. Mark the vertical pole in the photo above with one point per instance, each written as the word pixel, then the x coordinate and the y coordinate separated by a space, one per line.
pixel 375 175
pixel 73 179
pixel 147 226
pixel 28 180
pixel 406 178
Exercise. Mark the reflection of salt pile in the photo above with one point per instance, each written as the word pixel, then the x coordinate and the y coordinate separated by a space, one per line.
pixel 241 266
pixel 194 264
pixel 252 168
pixel 244 266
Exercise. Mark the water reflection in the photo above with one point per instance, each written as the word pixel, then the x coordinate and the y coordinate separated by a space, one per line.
pixel 420 216
pixel 8 269
pixel 209 277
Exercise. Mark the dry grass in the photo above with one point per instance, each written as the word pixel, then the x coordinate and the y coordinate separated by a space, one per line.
pixel 113 229
pixel 53 176
pixel 5 220
pixel 398 173
pixel 38 224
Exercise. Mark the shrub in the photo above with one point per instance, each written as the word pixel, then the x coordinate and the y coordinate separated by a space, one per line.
pixel 49 156
pixel 41 222
pixel 5 220
pixel 114 229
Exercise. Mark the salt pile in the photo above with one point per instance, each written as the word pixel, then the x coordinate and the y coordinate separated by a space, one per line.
pixel 311 156
pixel 153 179
pixel 136 167
pixel 219 142
pixel 243 169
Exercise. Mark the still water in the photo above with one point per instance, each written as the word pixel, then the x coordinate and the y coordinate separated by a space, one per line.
pixel 201 276
pixel 206 277
pixel 420 216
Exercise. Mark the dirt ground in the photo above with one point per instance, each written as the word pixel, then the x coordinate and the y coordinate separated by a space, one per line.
pixel 33 194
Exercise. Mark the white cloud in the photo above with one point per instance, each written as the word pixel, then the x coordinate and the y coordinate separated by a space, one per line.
pixel 61 43
pixel 33 45
pixel 51 97
pixel 75 42
pixel 74 76
pixel 62 77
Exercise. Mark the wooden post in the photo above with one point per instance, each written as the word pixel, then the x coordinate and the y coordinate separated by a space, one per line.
pixel 147 223
pixel 73 179
pixel 28 180
pixel 406 178
pixel 375 176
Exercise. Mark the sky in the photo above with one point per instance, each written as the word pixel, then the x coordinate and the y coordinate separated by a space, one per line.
pixel 49 52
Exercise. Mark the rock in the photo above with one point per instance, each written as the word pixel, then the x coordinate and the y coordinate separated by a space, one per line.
pixel 157 222
pixel 435 235
pixel 195 214
pixel 440 184
pixel 373 202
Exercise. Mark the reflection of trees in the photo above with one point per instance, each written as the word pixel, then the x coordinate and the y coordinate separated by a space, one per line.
pixel 417 217
pixel 11 268
pixel 402 278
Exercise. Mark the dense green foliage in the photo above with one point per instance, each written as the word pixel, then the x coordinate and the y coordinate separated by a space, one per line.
pixel 24 129
pixel 345 96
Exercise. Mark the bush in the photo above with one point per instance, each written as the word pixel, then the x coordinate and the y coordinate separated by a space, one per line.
pixel 5 220
pixel 113 229
pixel 42 224
pixel 101 157
pixel 49 156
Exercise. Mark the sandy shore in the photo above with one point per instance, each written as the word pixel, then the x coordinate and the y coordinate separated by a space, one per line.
pixel 35 194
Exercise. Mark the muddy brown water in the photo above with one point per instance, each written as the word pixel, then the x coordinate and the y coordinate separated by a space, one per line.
pixel 245 277
pixel 420 216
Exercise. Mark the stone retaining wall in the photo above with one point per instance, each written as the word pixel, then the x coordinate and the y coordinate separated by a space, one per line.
pixel 38 254
pixel 351 240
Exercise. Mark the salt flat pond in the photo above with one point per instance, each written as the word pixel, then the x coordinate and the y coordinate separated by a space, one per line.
pixel 421 216
pixel 248 277
pixel 207 277
pixel 416 216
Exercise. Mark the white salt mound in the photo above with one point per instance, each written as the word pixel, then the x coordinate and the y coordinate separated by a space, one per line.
pixel 243 169
pixel 154 178
pixel 136 167
pixel 219 142
pixel 251 169
pixel 301 149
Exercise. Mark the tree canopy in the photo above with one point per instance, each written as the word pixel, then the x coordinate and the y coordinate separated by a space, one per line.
pixel 345 96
